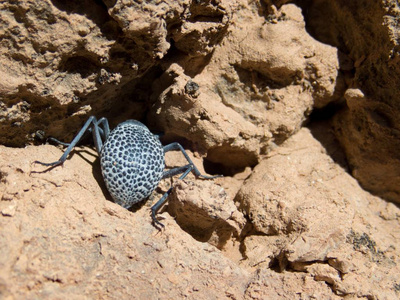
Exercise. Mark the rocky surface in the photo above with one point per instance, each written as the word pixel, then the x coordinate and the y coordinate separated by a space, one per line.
pixel 235 82
pixel 367 39
pixel 62 238
pixel 308 230
pixel 311 216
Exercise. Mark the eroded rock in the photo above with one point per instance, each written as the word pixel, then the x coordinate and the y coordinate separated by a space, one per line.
pixel 217 219
pixel 65 239
pixel 368 129
pixel 315 218
pixel 253 92
pixel 232 81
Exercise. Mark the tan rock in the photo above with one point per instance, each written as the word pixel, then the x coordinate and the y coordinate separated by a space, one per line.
pixel 234 82
pixel 319 221
pixel 252 93
pixel 64 239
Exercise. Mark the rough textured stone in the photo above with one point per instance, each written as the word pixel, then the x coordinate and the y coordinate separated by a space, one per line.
pixel 60 238
pixel 308 228
pixel 367 37
pixel 256 89
pixel 234 82
pixel 311 216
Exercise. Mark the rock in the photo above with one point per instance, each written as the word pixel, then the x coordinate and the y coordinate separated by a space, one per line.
pixel 244 104
pixel 65 239
pixel 234 82
pixel 367 131
pixel 313 217
pixel 217 218
pixel 267 283
pixel 368 128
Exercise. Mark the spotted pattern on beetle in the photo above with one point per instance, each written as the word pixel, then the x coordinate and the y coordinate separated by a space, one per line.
pixel 132 163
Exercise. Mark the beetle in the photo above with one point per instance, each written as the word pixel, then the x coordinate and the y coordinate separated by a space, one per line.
pixel 132 161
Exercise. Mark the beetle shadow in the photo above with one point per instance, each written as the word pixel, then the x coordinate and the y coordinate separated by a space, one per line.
pixel 98 176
